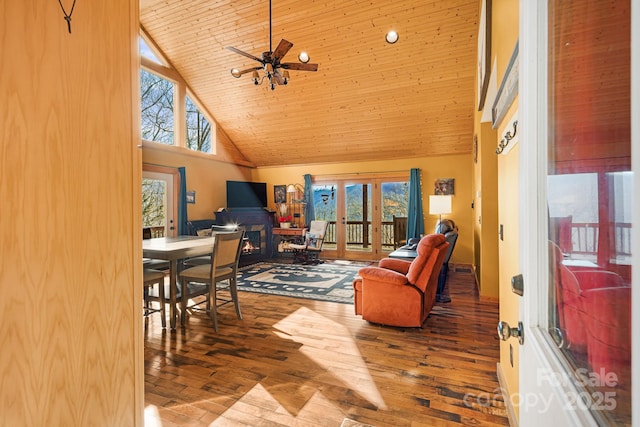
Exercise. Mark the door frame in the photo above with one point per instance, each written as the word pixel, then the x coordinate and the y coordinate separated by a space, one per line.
pixel 173 177
pixel 545 394
pixel 376 180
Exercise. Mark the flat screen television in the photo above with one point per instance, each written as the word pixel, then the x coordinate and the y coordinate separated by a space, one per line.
pixel 246 195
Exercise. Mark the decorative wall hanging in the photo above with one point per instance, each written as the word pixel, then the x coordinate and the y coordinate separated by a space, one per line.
pixel 484 52
pixel 67 16
pixel 508 90
pixel 280 194
pixel 444 186
pixel 191 197
pixel 475 148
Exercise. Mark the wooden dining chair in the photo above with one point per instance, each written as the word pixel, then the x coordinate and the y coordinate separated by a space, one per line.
pixel 207 279
pixel 151 278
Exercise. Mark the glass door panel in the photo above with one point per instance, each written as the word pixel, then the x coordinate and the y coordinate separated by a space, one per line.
pixel 325 208
pixel 357 220
pixel 589 199
pixel 157 203
pixel 395 204
pixel 360 214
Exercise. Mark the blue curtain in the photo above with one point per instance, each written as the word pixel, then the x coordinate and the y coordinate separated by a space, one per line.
pixel 309 211
pixel 182 203
pixel 415 220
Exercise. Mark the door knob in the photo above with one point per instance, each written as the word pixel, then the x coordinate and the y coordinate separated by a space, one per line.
pixel 505 332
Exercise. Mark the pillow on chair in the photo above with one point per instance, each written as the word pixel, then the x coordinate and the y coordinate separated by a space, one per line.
pixel 311 240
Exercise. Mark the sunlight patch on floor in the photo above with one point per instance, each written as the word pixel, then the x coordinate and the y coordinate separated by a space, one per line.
pixel 245 409
pixel 329 344
pixel 152 417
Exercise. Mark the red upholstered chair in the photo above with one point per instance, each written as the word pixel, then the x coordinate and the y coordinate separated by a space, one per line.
pixel 400 292
pixel 608 325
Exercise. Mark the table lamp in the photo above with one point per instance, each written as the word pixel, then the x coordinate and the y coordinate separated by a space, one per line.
pixel 439 205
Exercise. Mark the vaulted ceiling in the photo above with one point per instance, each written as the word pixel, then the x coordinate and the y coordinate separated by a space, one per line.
pixel 369 100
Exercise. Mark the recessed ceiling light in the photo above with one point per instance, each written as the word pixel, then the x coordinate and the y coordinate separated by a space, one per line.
pixel 392 37
pixel 303 57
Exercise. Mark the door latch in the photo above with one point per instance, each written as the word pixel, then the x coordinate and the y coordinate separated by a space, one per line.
pixel 505 332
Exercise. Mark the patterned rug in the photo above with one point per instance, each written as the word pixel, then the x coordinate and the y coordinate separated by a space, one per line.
pixel 331 281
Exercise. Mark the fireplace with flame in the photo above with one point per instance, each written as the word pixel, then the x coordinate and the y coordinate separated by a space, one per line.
pixel 251 244
pixel 257 225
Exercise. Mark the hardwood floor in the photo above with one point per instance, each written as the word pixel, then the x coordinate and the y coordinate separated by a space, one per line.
pixel 294 362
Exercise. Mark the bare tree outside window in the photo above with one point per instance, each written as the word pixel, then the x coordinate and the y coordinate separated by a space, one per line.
pixel 198 129
pixel 156 108
pixel 153 202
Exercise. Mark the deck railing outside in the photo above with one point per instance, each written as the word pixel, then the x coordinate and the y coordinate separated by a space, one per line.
pixel 584 237
pixel 355 234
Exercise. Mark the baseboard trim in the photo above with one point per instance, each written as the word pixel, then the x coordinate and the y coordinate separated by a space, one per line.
pixel 508 404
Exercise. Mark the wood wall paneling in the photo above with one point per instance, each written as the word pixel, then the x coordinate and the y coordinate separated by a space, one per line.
pixel 67 293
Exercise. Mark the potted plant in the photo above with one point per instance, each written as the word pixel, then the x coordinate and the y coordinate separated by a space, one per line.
pixel 285 221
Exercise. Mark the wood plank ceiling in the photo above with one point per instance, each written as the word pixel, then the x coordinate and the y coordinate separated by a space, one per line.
pixel 369 100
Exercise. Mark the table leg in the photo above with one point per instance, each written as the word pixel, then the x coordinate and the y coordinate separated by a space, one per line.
pixel 173 272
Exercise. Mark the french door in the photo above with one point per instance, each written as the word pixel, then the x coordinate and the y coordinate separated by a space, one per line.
pixel 360 213
pixel 578 213
pixel 159 201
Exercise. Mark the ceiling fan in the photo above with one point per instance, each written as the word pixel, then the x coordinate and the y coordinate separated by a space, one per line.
pixel 276 72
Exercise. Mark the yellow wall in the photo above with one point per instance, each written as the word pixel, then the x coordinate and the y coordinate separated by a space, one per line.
pixel 70 286
pixel 205 176
pixel 208 177
pixel 457 167
pixel 504 38
pixel 485 220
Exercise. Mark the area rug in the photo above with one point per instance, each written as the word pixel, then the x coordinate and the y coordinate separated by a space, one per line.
pixel 323 282
pixel 348 422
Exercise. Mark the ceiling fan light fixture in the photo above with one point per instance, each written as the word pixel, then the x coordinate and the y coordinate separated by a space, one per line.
pixel 303 57
pixel 392 37
pixel 273 70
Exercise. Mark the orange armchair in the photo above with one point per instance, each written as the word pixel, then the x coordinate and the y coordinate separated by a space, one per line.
pixel 399 292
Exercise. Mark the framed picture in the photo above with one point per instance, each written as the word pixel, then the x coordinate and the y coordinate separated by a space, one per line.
pixel 475 148
pixel 280 194
pixel 508 90
pixel 191 196
pixel 444 187
pixel 484 52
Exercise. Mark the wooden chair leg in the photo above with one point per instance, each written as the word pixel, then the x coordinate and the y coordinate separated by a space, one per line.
pixel 213 312
pixel 161 301
pixel 233 289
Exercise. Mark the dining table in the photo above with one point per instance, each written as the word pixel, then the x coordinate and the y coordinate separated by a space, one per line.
pixel 174 249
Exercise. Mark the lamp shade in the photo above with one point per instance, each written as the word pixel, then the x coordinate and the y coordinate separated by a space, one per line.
pixel 439 205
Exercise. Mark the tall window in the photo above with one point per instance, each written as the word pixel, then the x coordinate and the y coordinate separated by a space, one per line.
pixel 157 108
pixel 161 90
pixel 198 129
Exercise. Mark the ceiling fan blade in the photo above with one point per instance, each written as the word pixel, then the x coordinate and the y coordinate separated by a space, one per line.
pixel 249 70
pixel 281 50
pixel 248 55
pixel 299 67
